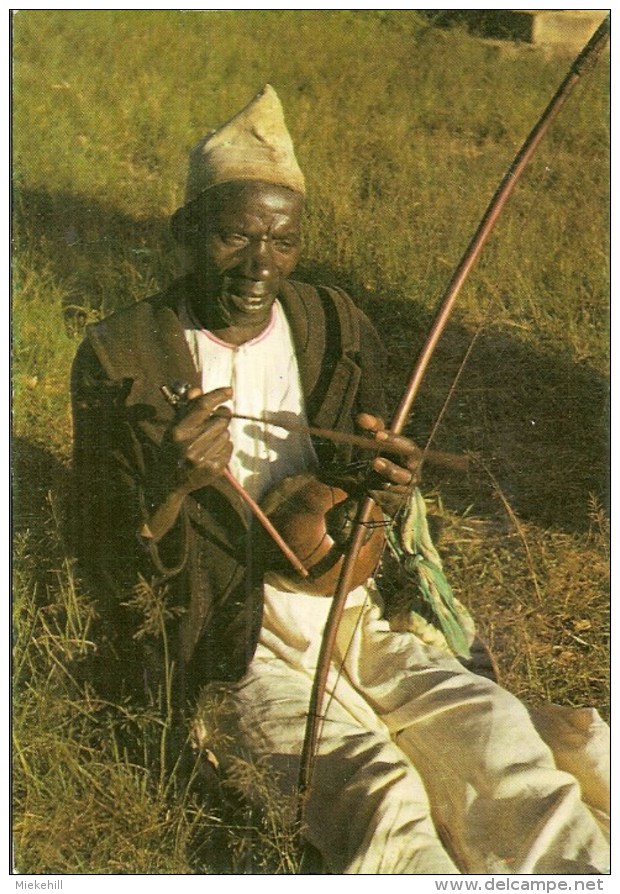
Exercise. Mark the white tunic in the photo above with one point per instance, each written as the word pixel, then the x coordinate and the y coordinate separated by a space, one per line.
pixel 423 767
pixel 264 377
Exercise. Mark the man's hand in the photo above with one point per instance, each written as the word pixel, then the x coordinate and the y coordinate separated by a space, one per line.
pixel 200 450
pixel 399 475
pixel 201 439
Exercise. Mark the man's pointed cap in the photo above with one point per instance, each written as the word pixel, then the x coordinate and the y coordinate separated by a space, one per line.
pixel 254 145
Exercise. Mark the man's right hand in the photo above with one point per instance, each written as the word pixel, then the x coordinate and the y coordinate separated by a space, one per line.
pixel 200 451
pixel 201 441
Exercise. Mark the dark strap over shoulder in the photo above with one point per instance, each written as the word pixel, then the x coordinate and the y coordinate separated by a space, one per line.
pixel 343 344
pixel 348 318
pixel 326 328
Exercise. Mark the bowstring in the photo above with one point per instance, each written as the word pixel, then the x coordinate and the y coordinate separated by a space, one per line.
pixel 455 381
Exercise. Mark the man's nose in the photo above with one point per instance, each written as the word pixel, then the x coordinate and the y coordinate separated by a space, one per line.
pixel 259 260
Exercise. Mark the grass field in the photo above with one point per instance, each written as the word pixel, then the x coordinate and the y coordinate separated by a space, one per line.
pixel 403 131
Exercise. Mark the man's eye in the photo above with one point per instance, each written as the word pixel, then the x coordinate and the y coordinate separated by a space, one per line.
pixel 285 244
pixel 234 239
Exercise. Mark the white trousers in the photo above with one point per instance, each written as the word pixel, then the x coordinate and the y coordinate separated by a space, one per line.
pixel 423 767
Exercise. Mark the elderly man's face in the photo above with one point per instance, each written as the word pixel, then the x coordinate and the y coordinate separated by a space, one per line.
pixel 249 244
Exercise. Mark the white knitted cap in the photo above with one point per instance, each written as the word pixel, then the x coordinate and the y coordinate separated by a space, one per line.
pixel 253 145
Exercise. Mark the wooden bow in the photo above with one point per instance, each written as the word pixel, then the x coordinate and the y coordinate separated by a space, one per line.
pixel 584 61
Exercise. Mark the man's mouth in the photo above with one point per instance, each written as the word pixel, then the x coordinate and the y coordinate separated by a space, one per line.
pixel 249 294
pixel 250 287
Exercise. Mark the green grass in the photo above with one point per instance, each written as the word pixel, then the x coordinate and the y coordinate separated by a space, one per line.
pixel 403 132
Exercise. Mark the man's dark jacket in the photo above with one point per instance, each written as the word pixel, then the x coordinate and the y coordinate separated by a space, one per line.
pixel 208 570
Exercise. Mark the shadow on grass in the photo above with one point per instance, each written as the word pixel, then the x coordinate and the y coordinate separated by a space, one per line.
pixel 539 420
pixel 501 24
pixel 103 258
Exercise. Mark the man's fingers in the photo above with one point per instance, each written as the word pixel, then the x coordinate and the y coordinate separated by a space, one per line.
pixel 200 415
pixel 207 403
pixel 211 451
pixel 370 423
pixel 392 473
pixel 213 439
pixel 208 439
pixel 399 444
pixel 388 441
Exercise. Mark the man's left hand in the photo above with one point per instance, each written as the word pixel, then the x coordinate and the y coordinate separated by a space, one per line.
pixel 399 475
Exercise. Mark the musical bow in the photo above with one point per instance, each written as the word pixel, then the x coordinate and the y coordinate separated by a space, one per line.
pixel 583 62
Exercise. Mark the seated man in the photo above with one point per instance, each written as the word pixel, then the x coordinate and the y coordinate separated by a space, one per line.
pixel 423 766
